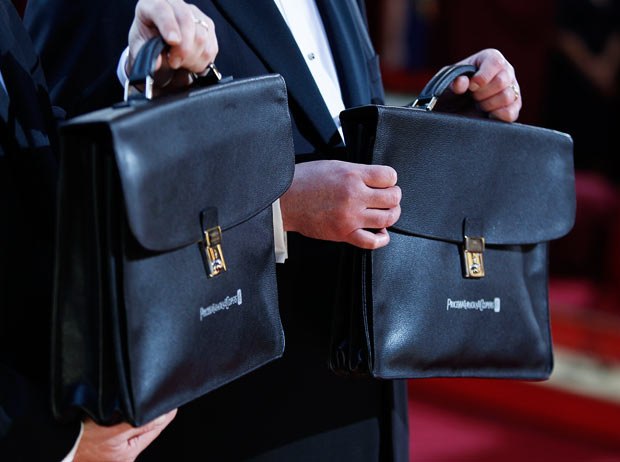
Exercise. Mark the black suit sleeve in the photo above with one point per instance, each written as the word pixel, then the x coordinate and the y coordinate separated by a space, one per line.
pixel 80 44
pixel 27 430
pixel 27 182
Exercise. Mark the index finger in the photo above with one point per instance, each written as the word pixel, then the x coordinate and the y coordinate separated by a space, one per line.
pixel 489 64
pixel 159 14
pixel 185 19
pixel 378 176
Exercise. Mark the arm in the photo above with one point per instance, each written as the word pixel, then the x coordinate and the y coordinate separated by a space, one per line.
pixel 27 429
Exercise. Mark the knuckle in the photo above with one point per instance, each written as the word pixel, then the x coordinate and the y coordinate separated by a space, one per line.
pixel 504 79
pixel 367 241
pixel 396 195
pixel 503 114
pixel 184 55
pixel 372 244
pixel 485 106
pixel 507 97
pixel 389 173
pixel 345 192
pixel 496 57
pixel 344 225
pixel 210 51
pixel 393 175
pixel 349 175
pixel 349 184
pixel 513 114
pixel 205 58
pixel 395 214
pixel 185 15
pixel 392 217
pixel 200 39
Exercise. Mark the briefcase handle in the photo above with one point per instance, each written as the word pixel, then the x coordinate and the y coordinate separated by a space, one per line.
pixel 143 71
pixel 437 85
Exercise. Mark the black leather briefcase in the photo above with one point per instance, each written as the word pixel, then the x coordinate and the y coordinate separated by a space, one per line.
pixel 165 276
pixel 461 289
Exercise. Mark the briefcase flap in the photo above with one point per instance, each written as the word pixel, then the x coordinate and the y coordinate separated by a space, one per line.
pixel 227 147
pixel 523 195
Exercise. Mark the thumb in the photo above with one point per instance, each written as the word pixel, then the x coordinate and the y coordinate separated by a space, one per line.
pixel 144 435
pixel 378 176
pixel 159 423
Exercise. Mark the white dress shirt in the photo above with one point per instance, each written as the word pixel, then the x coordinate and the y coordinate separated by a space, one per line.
pixel 304 21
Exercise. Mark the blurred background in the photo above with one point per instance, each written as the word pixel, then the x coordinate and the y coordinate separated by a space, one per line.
pixel 567 58
pixel 566 54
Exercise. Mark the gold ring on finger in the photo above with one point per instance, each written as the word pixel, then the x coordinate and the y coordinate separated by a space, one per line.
pixel 516 90
pixel 202 22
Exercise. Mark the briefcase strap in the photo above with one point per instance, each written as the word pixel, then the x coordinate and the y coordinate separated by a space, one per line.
pixel 437 85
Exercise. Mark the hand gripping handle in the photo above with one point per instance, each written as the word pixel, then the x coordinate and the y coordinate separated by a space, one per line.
pixel 438 84
pixel 143 71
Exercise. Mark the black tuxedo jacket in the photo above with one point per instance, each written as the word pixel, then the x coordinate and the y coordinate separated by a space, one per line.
pixel 27 192
pixel 293 408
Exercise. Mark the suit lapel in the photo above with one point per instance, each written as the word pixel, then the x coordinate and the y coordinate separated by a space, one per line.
pixel 262 25
pixel 25 114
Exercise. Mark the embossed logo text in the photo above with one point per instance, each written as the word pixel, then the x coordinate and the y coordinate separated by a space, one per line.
pixel 480 305
pixel 223 305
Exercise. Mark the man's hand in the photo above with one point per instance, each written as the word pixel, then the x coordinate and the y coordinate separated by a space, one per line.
pixel 118 443
pixel 188 31
pixel 343 202
pixel 494 86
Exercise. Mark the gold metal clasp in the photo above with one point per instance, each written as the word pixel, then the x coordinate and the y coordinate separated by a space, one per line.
pixel 213 251
pixel 473 249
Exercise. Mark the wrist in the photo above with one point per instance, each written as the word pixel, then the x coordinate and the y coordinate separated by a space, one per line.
pixel 286 210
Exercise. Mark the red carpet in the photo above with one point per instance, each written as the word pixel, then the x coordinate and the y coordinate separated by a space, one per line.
pixel 488 421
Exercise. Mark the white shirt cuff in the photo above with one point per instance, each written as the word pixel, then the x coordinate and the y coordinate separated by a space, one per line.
pixel 120 69
pixel 69 457
pixel 279 235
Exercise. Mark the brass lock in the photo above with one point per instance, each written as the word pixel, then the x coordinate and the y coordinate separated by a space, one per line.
pixel 213 251
pixel 473 248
